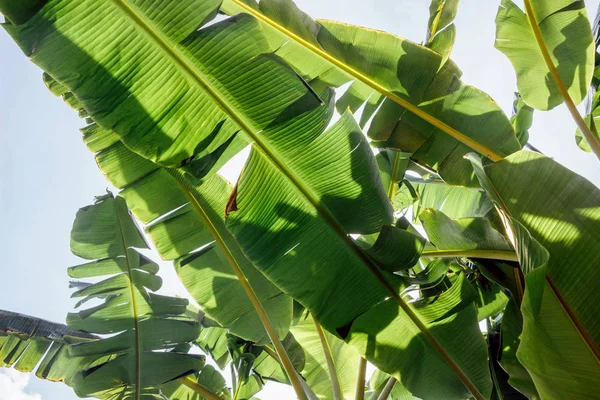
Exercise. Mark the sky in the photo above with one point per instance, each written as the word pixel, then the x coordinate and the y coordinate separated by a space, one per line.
pixel 46 172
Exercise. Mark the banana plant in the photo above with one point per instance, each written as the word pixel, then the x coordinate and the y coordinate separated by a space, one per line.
pixel 334 215
pixel 307 253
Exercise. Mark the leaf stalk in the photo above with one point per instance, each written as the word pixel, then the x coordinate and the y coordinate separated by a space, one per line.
pixel 333 376
pixel 196 387
pixel 387 390
pixel 360 382
pixel 487 254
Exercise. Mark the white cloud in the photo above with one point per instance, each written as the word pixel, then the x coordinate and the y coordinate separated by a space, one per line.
pixel 12 386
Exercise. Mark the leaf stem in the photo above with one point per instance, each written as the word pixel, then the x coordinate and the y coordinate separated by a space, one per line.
pixel 264 318
pixel 360 381
pixel 492 361
pixel 196 387
pixel 393 179
pixel 592 140
pixel 333 376
pixel 487 254
pixel 387 390
pixel 478 147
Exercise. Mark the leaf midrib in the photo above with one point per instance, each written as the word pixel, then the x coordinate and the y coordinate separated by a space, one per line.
pixel 261 312
pixel 134 307
pixel 333 375
pixel 325 213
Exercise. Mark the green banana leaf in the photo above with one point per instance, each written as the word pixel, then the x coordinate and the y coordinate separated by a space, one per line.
pixel 557 245
pixel 268 366
pixel 464 237
pixel 315 371
pixel 280 231
pixel 550 45
pixel 591 120
pixel 441 31
pixel 491 301
pixel 453 201
pixel 28 342
pixel 392 167
pixel 592 101
pixel 414 73
pixel 208 378
pixel 522 119
pixel 213 341
pixel 246 382
pixel 395 249
pixel 143 322
pixel 180 93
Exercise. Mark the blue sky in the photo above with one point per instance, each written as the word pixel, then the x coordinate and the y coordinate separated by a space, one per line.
pixel 46 173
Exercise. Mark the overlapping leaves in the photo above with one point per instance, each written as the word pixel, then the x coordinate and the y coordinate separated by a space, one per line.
pixel 555 241
pixel 417 75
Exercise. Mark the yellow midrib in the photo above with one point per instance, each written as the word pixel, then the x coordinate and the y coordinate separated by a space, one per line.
pixel 260 311
pixel 136 323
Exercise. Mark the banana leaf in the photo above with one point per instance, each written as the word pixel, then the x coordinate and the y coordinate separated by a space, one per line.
pixel 441 31
pixel 380 382
pixel 557 244
pixel 453 201
pixel 142 321
pixel 550 45
pixel 213 82
pixel 28 342
pixel 522 119
pixel 315 371
pixel 464 237
pixel 592 101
